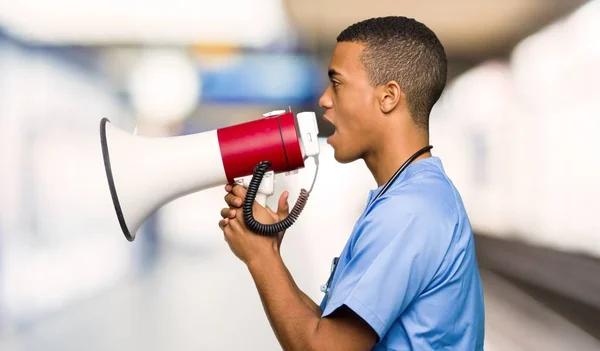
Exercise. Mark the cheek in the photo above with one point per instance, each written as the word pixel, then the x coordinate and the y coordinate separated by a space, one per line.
pixel 353 98
pixel 353 106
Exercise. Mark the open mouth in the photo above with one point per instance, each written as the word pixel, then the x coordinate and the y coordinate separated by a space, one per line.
pixel 331 136
pixel 330 125
pixel 328 129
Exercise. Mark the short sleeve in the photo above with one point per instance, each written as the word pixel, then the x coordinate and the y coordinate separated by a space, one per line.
pixel 399 247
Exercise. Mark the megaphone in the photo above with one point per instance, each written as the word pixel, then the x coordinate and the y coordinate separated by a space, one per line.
pixel 145 173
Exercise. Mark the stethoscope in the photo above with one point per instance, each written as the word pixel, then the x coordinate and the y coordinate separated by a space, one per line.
pixel 325 287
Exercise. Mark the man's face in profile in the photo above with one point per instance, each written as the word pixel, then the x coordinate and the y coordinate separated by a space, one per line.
pixel 349 102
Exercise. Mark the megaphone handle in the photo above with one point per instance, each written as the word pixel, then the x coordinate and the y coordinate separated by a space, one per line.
pixel 266 188
pixel 253 191
pixel 261 199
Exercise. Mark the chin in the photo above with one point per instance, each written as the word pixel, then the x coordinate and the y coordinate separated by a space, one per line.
pixel 341 158
pixel 340 153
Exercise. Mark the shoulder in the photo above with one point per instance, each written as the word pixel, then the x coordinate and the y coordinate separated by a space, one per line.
pixel 425 195
pixel 420 212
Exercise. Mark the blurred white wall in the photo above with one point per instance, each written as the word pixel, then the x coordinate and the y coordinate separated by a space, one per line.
pixel 520 137
pixel 253 23
pixel 55 211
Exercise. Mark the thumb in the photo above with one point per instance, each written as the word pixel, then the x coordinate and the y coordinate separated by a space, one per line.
pixel 283 208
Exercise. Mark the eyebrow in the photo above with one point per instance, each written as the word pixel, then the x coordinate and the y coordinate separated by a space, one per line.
pixel 332 72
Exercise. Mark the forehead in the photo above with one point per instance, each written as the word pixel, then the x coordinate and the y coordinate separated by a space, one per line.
pixel 345 59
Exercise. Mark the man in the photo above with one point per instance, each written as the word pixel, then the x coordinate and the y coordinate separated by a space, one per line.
pixel 407 278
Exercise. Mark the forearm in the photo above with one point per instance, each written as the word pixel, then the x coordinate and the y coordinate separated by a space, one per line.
pixel 293 316
pixel 310 303
pixel 307 300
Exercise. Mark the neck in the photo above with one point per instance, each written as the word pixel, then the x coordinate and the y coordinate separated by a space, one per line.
pixel 393 150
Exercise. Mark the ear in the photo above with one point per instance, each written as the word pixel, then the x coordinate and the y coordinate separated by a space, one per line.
pixel 391 96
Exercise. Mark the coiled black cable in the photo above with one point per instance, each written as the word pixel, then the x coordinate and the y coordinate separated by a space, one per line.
pixel 252 191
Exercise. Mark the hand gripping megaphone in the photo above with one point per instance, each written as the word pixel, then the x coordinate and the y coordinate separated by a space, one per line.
pixel 145 173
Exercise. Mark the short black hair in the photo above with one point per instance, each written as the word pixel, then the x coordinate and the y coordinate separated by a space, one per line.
pixel 404 50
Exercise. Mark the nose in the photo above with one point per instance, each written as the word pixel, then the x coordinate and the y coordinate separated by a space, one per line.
pixel 325 99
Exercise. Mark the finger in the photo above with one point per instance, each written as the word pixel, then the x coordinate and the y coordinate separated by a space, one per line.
pixel 233 200
pixel 239 191
pixel 223 223
pixel 235 225
pixel 237 214
pixel 228 187
pixel 227 232
pixel 283 208
pixel 228 213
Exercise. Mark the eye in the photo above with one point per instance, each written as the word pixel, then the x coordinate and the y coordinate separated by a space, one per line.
pixel 334 84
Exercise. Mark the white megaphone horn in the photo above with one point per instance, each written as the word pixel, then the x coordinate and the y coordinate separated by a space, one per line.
pixel 145 173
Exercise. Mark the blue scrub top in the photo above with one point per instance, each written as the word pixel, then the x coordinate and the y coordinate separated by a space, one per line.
pixel 409 267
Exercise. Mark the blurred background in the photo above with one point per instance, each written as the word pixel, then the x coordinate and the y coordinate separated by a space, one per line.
pixel 516 131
